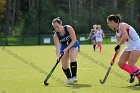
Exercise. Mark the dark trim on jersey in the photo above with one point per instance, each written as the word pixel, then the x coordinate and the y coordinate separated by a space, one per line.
pixel 64 39
pixel 61 36
pixel 129 34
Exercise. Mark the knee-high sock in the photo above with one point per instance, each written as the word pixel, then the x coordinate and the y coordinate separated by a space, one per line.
pixel 73 66
pixel 100 48
pixel 67 72
pixel 136 70
pixel 94 47
pixel 126 68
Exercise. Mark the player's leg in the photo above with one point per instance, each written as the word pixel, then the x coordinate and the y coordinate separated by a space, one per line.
pixel 73 52
pixel 100 46
pixel 123 65
pixel 97 44
pixel 94 43
pixel 133 58
pixel 65 67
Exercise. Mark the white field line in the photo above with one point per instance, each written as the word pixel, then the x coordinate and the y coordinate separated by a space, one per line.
pixel 12 70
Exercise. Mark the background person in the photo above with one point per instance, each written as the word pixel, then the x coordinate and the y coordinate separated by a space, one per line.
pixel 92 36
pixel 99 37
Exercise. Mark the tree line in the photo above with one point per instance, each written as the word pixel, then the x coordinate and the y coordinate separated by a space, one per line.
pixel 33 17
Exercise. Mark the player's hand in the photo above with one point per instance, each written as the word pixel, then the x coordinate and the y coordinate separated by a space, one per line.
pixel 60 56
pixel 117 47
pixel 65 50
pixel 112 62
pixel 58 59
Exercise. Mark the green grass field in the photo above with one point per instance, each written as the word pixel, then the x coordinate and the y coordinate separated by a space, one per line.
pixel 24 68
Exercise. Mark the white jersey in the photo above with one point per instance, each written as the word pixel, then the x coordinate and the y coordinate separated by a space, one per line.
pixel 133 42
pixel 99 36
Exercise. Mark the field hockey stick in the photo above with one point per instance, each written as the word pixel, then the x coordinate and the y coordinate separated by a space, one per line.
pixel 50 73
pixel 108 71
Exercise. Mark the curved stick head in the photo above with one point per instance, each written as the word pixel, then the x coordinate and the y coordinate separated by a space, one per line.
pixel 101 81
pixel 46 84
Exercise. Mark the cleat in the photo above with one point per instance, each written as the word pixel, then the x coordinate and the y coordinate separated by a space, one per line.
pixel 137 84
pixel 74 79
pixel 69 81
pixel 132 78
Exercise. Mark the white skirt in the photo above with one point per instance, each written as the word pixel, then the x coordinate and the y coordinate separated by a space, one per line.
pixel 132 47
pixel 99 39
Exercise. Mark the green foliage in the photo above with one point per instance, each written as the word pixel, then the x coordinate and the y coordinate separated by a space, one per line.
pixel 48 12
pixel 31 23
pixel 80 14
pixel 19 27
pixel 2 8
pixel 82 23
pixel 14 41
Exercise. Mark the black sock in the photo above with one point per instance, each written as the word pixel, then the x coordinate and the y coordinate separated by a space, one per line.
pixel 73 66
pixel 94 46
pixel 67 72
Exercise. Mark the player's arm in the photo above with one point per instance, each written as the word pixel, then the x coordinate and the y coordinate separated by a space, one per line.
pixel 124 37
pixel 57 45
pixel 73 37
pixel 124 34
pixel 103 35
pixel 89 34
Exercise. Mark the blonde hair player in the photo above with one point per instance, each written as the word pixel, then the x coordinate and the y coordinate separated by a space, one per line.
pixel 99 37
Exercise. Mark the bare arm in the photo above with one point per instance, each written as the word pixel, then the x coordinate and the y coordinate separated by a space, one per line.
pixel 89 34
pixel 123 33
pixel 57 45
pixel 103 35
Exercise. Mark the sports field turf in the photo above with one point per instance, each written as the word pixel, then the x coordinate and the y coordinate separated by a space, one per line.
pixel 24 68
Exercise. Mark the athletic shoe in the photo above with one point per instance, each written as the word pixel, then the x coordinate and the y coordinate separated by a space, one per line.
pixel 137 85
pixel 69 81
pixel 74 79
pixel 132 78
